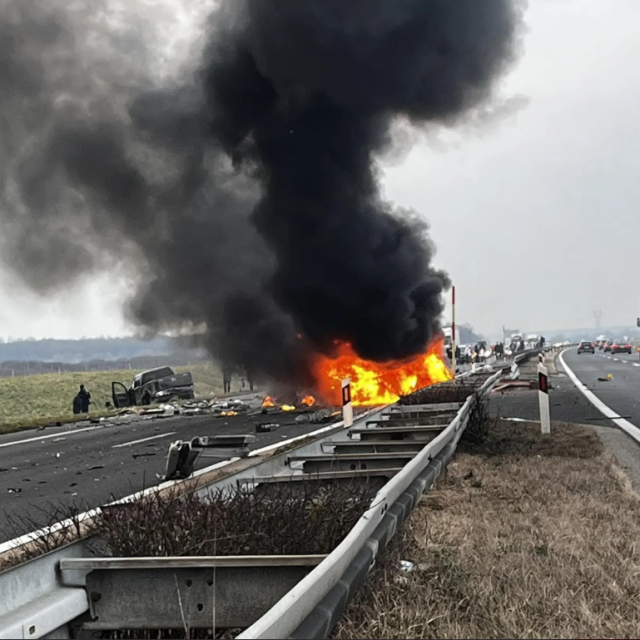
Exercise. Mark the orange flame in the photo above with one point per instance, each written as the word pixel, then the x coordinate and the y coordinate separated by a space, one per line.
pixel 268 402
pixel 375 383
pixel 288 407
pixel 309 401
pixel 228 414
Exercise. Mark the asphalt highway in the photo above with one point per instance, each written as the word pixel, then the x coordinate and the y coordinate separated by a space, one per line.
pixel 622 392
pixel 43 473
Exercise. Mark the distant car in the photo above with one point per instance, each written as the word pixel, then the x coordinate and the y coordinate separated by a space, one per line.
pixel 607 345
pixel 621 346
pixel 586 346
pixel 601 344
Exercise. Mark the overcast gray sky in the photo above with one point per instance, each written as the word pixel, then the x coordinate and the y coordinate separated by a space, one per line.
pixel 535 218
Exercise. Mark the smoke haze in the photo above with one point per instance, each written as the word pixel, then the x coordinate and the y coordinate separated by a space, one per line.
pixel 241 194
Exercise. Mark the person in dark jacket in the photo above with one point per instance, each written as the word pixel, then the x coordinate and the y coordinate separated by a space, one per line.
pixel 227 372
pixel 85 399
pixel 77 404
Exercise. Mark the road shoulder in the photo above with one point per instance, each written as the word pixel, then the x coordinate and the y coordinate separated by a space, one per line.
pixel 526 536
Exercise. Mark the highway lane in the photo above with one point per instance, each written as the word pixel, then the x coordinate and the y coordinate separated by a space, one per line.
pixel 88 465
pixel 622 392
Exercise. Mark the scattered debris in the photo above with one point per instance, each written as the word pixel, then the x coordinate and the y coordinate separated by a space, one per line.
pixel 509 384
pixel 267 427
pixel 318 417
pixel 94 467
pixel 405 565
pixel 142 455
pixel 14 490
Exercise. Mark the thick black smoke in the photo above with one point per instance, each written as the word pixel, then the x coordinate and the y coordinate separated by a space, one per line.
pixel 243 197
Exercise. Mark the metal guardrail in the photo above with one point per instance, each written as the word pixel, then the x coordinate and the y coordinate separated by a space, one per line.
pixel 38 600
pixel 313 606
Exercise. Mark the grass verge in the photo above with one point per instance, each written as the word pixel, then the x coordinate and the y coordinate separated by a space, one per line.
pixel 33 401
pixel 526 537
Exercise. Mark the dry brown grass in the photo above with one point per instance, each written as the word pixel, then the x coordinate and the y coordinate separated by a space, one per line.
pixel 526 537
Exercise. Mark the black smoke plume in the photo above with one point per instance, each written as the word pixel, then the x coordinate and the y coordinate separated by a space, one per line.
pixel 241 195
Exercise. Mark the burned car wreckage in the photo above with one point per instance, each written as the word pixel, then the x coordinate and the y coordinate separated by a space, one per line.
pixel 155 385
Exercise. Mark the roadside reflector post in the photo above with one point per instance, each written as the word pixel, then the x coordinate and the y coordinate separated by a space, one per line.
pixel 347 407
pixel 543 397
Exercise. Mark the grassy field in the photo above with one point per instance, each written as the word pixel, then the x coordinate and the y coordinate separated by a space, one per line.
pixel 527 537
pixel 28 401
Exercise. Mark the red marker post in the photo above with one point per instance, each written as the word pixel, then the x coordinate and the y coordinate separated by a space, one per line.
pixel 453 329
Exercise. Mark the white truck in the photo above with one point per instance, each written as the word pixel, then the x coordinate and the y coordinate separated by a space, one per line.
pixel 448 334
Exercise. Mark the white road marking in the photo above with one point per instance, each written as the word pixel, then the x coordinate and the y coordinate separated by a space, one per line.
pixel 35 535
pixel 635 364
pixel 606 411
pixel 616 360
pixel 128 444
pixel 52 435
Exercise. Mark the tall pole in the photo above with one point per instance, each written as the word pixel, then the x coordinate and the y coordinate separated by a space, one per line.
pixel 453 328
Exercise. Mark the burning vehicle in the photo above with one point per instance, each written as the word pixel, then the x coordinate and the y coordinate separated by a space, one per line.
pixel 155 385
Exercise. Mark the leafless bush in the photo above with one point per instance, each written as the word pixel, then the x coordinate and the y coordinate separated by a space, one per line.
pixel 287 518
pixel 53 537
pixel 478 425
pixel 453 391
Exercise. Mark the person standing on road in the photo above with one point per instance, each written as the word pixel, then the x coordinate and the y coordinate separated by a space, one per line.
pixel 248 372
pixel 226 378
pixel 77 405
pixel 85 399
